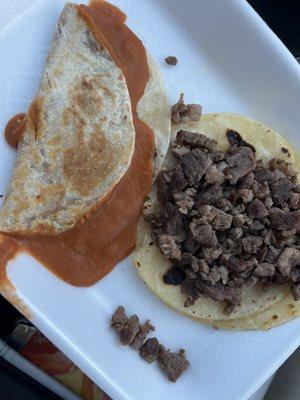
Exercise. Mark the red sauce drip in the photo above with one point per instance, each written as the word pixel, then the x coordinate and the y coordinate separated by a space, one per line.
pixel 13 130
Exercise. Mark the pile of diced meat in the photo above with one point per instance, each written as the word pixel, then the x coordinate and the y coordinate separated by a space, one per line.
pixel 132 333
pixel 226 219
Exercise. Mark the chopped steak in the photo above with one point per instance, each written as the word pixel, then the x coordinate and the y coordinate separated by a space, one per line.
pixel 191 245
pixel 235 233
pixel 178 181
pixel 163 186
pixel 171 60
pixel 286 168
pixel 264 269
pixel 238 220
pixel 268 202
pixel 214 275
pixel 129 330
pixel 236 264
pixel 217 292
pixel 171 219
pixel 295 290
pixel 281 191
pixel 149 350
pixel 169 247
pixel 203 233
pixel 255 227
pixel 246 195
pixel 288 259
pixel 214 175
pixel 195 140
pixel 174 364
pixel 256 209
pixel 222 221
pixel 248 181
pixel 294 199
pixel 262 190
pixel 241 161
pixel 181 112
pixel 185 200
pixel 179 151
pixel 263 175
pixel 224 204
pixel 284 221
pixel 296 274
pixel 252 244
pixel 210 195
pixel 132 333
pixel 119 319
pixel 194 165
pixel 226 219
pixel 138 341
pixel 272 254
pixel 210 253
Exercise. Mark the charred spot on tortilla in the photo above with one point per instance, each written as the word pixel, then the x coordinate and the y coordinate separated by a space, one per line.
pixel 235 139
pixel 174 276
pixel 171 60
pixel 286 151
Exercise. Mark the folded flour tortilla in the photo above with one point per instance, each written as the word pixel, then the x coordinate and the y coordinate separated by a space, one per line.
pixel 79 137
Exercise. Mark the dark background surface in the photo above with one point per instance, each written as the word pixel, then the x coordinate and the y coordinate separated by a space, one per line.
pixel 15 385
pixel 283 17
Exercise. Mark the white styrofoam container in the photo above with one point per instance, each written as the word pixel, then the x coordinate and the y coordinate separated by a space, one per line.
pixel 229 60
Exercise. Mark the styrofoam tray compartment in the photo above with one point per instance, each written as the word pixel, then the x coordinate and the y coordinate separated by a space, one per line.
pixel 229 61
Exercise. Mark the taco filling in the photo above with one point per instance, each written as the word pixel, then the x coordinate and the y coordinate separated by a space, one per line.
pixel 226 219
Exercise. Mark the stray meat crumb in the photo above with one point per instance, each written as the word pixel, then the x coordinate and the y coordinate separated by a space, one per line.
pixel 149 350
pixel 132 333
pixel 119 319
pixel 139 338
pixel 171 60
pixel 181 112
pixel 174 364
pixel 130 330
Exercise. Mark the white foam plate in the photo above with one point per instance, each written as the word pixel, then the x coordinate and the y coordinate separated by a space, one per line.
pixel 229 60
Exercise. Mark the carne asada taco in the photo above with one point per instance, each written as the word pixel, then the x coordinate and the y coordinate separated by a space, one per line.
pixel 219 237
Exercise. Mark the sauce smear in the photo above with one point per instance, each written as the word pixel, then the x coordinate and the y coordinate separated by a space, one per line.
pixel 89 251
pixel 13 130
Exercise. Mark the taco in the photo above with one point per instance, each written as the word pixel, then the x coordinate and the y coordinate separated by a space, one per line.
pixel 90 145
pixel 78 136
pixel 219 240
